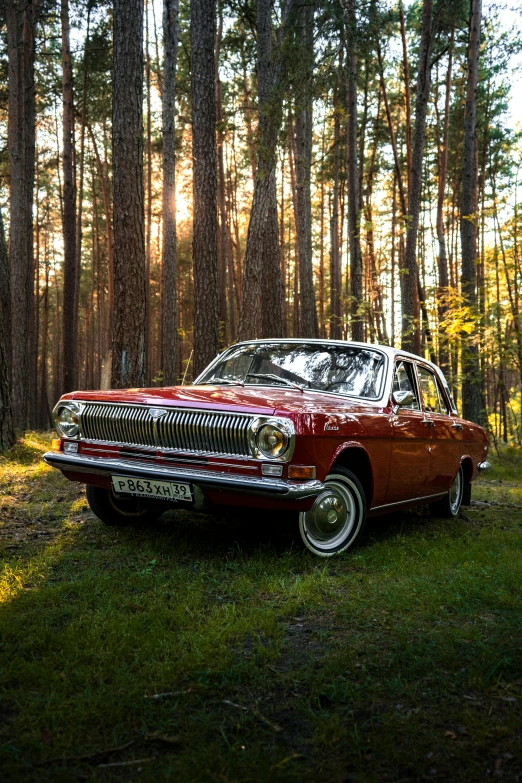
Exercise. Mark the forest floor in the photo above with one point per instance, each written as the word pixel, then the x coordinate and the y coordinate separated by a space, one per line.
pixel 215 649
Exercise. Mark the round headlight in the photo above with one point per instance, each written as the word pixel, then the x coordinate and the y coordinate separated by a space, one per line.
pixel 68 421
pixel 271 441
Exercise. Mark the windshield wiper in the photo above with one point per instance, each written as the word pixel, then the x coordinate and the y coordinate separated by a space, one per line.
pixel 217 381
pixel 272 377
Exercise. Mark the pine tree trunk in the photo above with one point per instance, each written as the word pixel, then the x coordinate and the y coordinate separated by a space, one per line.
pixel 336 283
pixel 303 165
pixel 21 21
pixel 169 258
pixel 128 345
pixel 223 245
pixel 262 249
pixel 471 401
pixel 7 435
pixel 205 229
pixel 70 277
pixel 442 260
pixel 410 304
pixel 352 177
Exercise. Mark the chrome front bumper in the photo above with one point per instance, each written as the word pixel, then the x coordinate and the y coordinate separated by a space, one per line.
pixel 482 466
pixel 205 479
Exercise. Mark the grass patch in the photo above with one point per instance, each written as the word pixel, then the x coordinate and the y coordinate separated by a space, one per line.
pixel 398 661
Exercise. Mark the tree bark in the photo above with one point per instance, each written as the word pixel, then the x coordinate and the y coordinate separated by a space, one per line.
pixel 21 20
pixel 128 344
pixel 410 305
pixel 205 229
pixel 471 400
pixel 303 166
pixel 336 283
pixel 263 227
pixel 169 252
pixel 70 277
pixel 7 434
pixel 352 177
pixel 442 260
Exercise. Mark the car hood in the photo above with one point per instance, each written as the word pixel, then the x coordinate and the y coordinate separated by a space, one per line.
pixel 260 400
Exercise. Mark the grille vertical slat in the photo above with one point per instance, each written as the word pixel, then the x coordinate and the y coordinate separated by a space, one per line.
pixel 186 430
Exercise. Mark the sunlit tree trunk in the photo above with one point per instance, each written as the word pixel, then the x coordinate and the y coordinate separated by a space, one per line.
pixel 442 260
pixel 128 343
pixel 410 304
pixel 303 165
pixel 471 399
pixel 70 274
pixel 169 250
pixel 352 176
pixel 336 283
pixel 205 228
pixel 262 245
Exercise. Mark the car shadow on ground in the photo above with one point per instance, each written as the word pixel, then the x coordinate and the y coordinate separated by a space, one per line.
pixel 252 529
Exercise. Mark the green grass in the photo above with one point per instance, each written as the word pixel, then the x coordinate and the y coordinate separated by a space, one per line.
pixel 398 661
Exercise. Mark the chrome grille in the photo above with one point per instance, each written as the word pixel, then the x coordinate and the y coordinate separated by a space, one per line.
pixel 179 429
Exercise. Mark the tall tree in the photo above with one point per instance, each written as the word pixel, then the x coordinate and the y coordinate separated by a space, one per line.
pixel 169 260
pixel 471 399
pixel 21 21
pixel 354 240
pixel 7 435
pixel 128 342
pixel 70 275
pixel 308 325
pixel 442 259
pixel 336 283
pixel 204 156
pixel 410 304
pixel 262 234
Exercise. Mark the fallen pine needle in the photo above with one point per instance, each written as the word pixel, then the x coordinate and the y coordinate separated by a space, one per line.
pixel 128 763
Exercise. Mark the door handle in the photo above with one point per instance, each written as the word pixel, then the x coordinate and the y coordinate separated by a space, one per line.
pixel 456 426
pixel 429 422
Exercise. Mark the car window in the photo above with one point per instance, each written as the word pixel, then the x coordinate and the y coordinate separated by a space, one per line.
pixel 404 380
pixel 432 398
pixel 442 400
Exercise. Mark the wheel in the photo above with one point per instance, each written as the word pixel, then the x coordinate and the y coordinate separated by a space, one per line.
pixel 113 510
pixel 337 517
pixel 449 506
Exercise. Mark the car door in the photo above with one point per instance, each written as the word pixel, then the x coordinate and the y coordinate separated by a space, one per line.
pixel 445 433
pixel 411 440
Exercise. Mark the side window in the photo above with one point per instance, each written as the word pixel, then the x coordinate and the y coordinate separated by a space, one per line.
pixel 433 400
pixel 442 400
pixel 404 380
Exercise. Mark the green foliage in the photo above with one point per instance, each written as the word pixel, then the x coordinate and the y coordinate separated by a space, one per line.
pixel 400 660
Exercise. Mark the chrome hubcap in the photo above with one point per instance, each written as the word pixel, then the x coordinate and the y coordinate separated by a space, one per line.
pixel 332 516
pixel 455 493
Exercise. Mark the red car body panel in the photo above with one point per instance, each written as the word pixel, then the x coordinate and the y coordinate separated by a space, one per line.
pixel 412 457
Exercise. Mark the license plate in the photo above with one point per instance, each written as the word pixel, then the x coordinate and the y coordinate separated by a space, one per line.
pixel 149 488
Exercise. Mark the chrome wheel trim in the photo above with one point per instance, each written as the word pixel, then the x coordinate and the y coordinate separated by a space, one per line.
pixel 455 494
pixel 335 517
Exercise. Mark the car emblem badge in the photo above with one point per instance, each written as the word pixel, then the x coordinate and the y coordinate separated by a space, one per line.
pixel 157 413
pixel 331 424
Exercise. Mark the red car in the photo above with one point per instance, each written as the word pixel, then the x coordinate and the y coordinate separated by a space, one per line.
pixel 335 431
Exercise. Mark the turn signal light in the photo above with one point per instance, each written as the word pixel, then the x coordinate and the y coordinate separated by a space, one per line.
pixel 55 444
pixel 301 472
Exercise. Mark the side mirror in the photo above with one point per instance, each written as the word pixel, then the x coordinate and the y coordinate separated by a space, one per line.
pixel 403 398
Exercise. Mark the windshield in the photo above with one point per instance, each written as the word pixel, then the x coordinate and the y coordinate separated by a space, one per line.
pixel 339 369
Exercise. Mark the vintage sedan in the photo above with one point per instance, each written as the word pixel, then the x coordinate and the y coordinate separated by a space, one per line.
pixel 332 431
